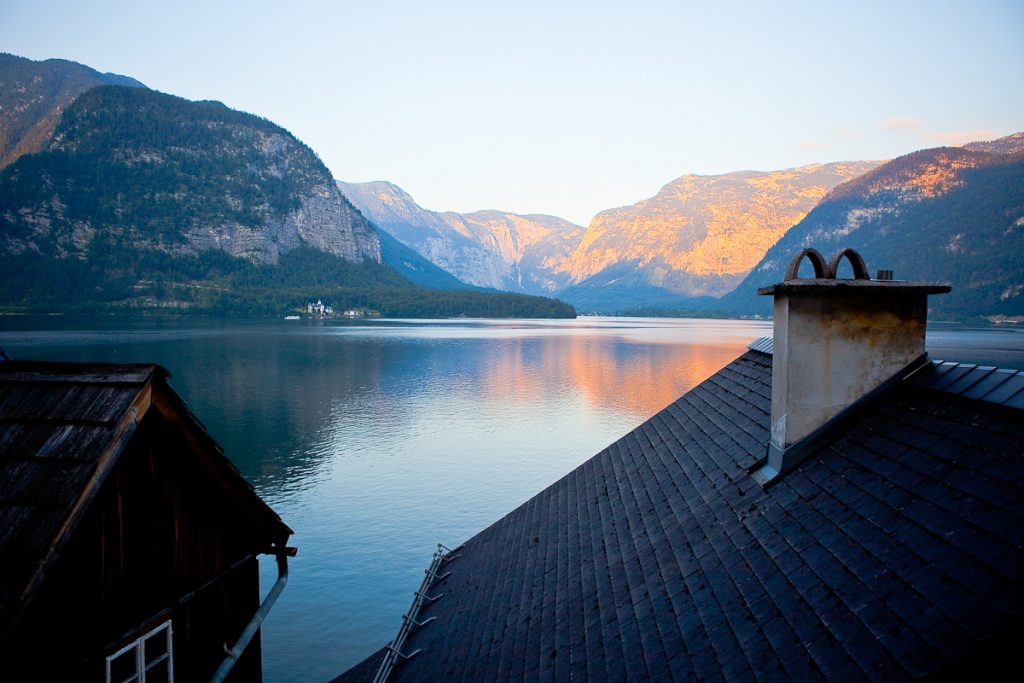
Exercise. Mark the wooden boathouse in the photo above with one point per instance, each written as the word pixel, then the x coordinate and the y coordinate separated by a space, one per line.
pixel 128 542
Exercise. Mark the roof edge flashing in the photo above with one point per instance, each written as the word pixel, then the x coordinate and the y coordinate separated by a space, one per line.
pixel 763 345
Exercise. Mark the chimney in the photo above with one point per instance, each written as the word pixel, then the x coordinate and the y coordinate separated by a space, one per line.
pixel 835 342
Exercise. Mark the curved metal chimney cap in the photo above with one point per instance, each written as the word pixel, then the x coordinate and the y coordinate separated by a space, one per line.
pixel 825 277
pixel 827 271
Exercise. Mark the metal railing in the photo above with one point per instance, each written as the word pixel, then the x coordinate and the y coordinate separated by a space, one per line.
pixel 393 653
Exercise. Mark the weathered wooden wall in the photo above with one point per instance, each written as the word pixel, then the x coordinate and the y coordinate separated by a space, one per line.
pixel 162 538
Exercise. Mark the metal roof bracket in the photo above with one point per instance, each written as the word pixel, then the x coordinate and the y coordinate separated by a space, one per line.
pixel 393 655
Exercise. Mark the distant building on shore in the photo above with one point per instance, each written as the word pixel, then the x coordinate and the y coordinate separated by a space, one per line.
pixel 319 309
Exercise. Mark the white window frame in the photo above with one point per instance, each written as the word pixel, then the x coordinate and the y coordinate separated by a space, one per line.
pixel 139 646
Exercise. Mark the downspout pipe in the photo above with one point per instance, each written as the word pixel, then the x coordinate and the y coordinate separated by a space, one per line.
pixel 234 653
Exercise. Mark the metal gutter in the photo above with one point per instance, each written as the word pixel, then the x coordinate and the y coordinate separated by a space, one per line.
pixel 234 653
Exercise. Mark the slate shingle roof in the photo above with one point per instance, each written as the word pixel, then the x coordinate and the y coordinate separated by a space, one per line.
pixel 892 552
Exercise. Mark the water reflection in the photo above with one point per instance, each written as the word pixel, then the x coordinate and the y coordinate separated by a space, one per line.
pixel 647 377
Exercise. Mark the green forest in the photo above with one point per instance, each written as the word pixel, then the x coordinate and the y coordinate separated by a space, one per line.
pixel 215 283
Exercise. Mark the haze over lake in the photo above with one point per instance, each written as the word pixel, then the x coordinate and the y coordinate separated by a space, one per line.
pixel 375 440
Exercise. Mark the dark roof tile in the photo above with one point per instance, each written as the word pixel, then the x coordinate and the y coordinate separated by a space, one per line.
pixel 989 383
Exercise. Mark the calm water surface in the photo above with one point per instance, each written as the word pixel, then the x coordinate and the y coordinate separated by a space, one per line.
pixel 376 440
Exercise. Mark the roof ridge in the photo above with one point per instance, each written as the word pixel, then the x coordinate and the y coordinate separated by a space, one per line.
pixel 63 372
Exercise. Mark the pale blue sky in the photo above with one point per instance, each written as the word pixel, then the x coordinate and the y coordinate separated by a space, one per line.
pixel 565 108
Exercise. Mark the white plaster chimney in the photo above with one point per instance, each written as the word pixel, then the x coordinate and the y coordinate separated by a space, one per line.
pixel 835 341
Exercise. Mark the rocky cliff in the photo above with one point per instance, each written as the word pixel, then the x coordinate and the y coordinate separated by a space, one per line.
pixel 414 267
pixel 520 253
pixel 132 169
pixel 699 236
pixel 137 200
pixel 33 95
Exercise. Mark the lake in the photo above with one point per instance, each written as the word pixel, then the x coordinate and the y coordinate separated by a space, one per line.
pixel 376 440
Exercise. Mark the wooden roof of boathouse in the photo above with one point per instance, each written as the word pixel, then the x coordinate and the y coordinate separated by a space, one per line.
pixel 63 427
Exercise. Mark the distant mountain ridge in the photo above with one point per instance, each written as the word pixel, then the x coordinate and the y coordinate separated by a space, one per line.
pixel 699 236
pixel 950 214
pixel 495 249
pixel 135 192
pixel 1005 145
pixel 33 95
pixel 693 241
pixel 149 199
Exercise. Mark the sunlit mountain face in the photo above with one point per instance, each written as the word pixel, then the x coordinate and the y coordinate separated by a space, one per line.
pixel 948 214
pixel 697 237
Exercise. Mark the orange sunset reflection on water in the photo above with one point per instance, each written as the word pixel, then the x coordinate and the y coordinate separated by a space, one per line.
pixel 648 382
pixel 607 371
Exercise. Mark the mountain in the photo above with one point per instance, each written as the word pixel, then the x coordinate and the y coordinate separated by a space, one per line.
pixel 140 196
pixel 953 215
pixel 698 237
pixel 695 240
pixel 1004 145
pixel 139 200
pixel 495 249
pixel 149 171
pixel 414 268
pixel 33 95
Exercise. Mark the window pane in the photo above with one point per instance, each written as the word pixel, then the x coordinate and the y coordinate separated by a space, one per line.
pixel 122 668
pixel 156 645
pixel 158 674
